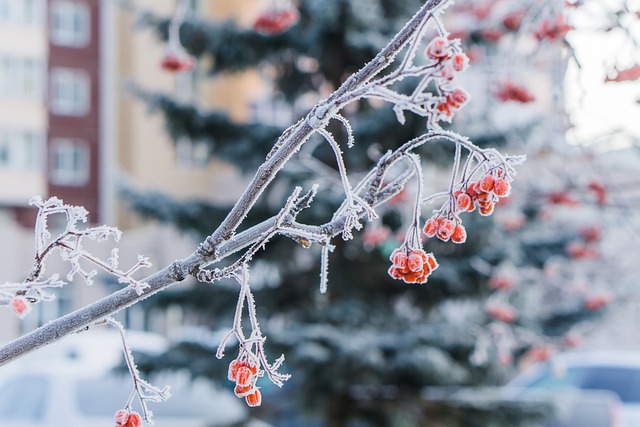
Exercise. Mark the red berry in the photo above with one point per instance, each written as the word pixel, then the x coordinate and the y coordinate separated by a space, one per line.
pixel 431 262
pixel 415 262
pixel 464 202
pixel 430 227
pixel 501 187
pixel 20 306
pixel 134 420
pixel 242 391
pixel 487 182
pixel 233 369
pixel 254 399
pixel 437 48
pixel 457 98
pixel 445 230
pixel 121 417
pixel 486 210
pixel 459 234
pixel 244 376
pixel 460 62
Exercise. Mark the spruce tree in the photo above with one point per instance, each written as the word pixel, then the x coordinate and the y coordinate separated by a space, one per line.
pixel 364 351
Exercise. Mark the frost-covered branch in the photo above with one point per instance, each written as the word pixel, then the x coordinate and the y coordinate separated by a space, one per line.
pixel 479 178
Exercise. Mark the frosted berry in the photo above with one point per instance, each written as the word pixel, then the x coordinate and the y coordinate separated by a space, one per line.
pixel 501 187
pixel 487 182
pixel 134 420
pixel 399 258
pixel 20 306
pixel 460 62
pixel 254 399
pixel 430 227
pixel 121 417
pixel 457 98
pixel 244 377
pixel 234 366
pixel 242 391
pixel 437 48
pixel 415 261
pixel 487 209
pixel 464 202
pixel 431 262
pixel 459 234
pixel 445 230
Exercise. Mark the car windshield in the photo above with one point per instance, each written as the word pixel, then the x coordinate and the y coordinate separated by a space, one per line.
pixel 98 397
pixel 625 382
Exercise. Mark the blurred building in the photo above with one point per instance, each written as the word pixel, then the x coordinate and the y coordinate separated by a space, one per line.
pixel 70 128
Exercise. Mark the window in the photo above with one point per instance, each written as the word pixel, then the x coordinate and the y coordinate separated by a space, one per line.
pixel 69 162
pixel 23 12
pixel 191 154
pixel 19 150
pixel 70 23
pixel 21 78
pixel 69 92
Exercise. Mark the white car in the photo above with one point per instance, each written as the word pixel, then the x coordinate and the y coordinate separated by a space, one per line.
pixel 615 371
pixel 72 384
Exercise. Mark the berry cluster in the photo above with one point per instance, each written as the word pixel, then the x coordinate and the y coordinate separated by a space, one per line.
pixel 509 91
pixel 452 102
pixel 245 374
pixel 553 30
pixel 445 229
pixel 412 266
pixel 126 418
pixel 485 193
pixel 276 21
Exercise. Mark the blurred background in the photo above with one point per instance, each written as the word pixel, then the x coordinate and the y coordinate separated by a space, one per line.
pixel 154 114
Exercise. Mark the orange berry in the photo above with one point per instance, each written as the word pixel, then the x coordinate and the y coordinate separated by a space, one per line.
pixel 242 391
pixel 431 262
pixel 430 227
pixel 487 182
pixel 501 187
pixel 121 417
pixel 253 368
pixel 395 273
pixel 254 399
pixel 415 261
pixel 445 230
pixel 484 196
pixel 399 258
pixel 487 209
pixel 464 202
pixel 233 369
pixel 134 420
pixel 459 234
pixel 244 376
